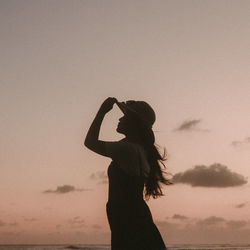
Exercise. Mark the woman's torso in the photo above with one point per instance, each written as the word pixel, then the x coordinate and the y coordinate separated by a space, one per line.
pixel 124 188
pixel 125 199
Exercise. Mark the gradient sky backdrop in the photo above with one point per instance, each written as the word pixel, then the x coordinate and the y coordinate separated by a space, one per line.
pixel 61 59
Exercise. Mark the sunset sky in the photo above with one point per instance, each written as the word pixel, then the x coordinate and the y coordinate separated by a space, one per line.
pixel 61 59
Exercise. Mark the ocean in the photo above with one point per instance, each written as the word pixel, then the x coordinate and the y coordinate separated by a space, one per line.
pixel 107 247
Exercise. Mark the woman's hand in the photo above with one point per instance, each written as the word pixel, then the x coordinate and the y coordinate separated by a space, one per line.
pixel 108 104
pixel 91 141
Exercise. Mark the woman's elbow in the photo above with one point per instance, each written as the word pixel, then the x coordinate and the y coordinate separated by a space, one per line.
pixel 87 143
pixel 90 144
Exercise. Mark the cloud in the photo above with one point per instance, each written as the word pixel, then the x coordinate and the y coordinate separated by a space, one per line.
pixel 212 229
pixel 215 175
pixel 212 220
pixel 244 142
pixel 65 189
pixel 77 222
pixel 100 176
pixel 190 125
pixel 236 223
pixel 241 205
pixel 179 217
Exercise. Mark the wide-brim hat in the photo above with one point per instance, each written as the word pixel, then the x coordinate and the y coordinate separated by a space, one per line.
pixel 140 110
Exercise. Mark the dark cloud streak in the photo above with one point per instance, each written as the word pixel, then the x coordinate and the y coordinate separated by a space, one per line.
pixel 241 205
pixel 179 217
pixel 191 125
pixel 244 142
pixel 65 189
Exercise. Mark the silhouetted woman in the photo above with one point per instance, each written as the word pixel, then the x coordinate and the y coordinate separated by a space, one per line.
pixel 134 168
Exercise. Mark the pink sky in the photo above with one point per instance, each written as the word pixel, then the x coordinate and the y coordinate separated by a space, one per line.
pixel 60 60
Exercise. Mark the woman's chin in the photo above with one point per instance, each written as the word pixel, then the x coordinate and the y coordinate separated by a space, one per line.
pixel 118 130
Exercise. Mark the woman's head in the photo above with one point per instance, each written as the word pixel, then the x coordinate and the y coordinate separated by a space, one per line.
pixel 139 111
pixel 136 124
pixel 138 119
pixel 125 126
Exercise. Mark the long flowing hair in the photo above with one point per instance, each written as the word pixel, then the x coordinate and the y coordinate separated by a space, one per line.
pixel 157 174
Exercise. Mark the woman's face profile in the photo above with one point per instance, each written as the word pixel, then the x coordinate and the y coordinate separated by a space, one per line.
pixel 124 126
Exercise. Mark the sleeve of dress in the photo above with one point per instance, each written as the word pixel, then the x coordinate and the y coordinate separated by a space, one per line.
pixel 124 154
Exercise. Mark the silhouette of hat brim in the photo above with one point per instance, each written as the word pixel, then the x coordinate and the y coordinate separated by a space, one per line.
pixel 131 113
pixel 126 109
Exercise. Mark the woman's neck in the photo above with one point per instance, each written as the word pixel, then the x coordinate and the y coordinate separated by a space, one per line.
pixel 133 139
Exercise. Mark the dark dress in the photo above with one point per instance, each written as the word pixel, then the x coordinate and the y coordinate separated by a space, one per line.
pixel 130 220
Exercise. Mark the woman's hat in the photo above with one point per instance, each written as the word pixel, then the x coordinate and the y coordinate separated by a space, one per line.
pixel 138 109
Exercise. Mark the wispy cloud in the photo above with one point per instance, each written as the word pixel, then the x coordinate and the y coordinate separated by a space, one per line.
pixel 216 221
pixel 214 228
pixel 244 142
pixel 191 125
pixel 77 221
pixel 179 217
pixel 65 189
pixel 240 205
pixel 237 223
pixel 100 176
pixel 212 220
pixel 215 175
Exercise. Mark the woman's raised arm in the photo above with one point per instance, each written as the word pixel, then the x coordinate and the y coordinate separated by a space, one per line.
pixel 91 140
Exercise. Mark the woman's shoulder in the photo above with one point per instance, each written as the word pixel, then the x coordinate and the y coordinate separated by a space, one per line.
pixel 131 156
